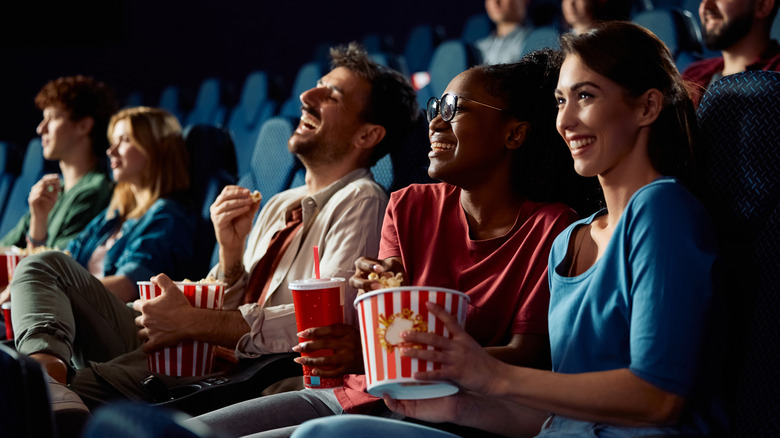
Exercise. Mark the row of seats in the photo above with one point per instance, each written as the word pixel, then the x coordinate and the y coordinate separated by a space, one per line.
pixel 426 50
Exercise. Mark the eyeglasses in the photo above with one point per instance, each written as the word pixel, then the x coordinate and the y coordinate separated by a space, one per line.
pixel 447 106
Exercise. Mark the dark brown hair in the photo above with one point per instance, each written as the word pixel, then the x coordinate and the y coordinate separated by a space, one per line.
pixel 637 60
pixel 392 103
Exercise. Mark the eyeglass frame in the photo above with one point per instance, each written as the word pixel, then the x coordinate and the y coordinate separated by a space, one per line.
pixel 438 103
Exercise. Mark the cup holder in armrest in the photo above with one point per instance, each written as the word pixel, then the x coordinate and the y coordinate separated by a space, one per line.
pixel 183 391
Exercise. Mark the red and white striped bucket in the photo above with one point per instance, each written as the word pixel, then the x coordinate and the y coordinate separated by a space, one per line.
pixel 384 314
pixel 188 358
pixel 11 260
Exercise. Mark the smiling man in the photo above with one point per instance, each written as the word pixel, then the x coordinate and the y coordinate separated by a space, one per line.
pixel 740 29
pixel 351 118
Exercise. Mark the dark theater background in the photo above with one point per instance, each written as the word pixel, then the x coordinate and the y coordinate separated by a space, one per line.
pixel 145 45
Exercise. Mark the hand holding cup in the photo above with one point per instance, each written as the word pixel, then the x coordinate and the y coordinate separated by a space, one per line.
pixel 343 340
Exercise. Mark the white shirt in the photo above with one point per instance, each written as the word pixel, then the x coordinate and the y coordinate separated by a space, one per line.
pixel 344 221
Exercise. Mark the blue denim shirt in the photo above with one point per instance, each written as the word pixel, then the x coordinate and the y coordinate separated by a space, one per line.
pixel 160 241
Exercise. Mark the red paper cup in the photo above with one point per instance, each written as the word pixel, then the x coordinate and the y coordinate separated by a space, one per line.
pixel 318 303
pixel 9 329
pixel 188 358
pixel 384 314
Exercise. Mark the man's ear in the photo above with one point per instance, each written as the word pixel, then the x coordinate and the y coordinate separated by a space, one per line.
pixel 369 135
pixel 85 125
pixel 651 103
pixel 762 8
pixel 516 136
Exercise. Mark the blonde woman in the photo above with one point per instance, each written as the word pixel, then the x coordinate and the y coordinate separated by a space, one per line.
pixel 66 308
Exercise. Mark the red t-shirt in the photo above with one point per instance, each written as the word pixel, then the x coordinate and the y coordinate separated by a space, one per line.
pixel 505 277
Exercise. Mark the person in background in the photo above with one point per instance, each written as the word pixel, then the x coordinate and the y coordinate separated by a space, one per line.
pixel 505 43
pixel 740 29
pixel 581 15
pixel 144 230
pixel 76 110
pixel 633 303
pixel 485 230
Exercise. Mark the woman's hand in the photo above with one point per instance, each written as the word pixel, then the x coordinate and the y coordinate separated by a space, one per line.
pixel 448 409
pixel 463 360
pixel 43 196
pixel 164 320
pixel 368 265
pixel 342 339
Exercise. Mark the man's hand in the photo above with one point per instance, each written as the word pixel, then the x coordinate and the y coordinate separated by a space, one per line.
pixel 368 265
pixel 232 213
pixel 42 197
pixel 342 339
pixel 164 320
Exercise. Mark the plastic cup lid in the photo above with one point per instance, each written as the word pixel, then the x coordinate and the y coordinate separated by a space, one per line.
pixel 315 283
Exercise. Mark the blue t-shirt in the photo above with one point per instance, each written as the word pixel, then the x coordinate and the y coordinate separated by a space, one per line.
pixel 646 303
pixel 160 241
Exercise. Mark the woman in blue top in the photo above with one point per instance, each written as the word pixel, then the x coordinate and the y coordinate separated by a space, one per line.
pixel 62 305
pixel 146 229
pixel 631 286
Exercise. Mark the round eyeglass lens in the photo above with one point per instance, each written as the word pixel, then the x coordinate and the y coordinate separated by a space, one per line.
pixel 432 109
pixel 447 110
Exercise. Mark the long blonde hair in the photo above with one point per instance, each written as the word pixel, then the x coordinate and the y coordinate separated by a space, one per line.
pixel 158 136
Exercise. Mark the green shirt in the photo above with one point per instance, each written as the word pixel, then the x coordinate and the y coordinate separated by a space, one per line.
pixel 70 214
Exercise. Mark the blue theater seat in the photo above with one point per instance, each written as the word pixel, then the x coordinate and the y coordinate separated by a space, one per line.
pixel 676 27
pixel 208 108
pixel 255 106
pixel 476 27
pixel 540 38
pixel 7 173
pixel 420 45
pixel 307 77
pixel 171 101
pixel 32 171
pixel 134 99
pixel 450 58
pixel 740 121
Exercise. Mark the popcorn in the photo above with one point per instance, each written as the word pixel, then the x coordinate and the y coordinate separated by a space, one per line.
pixel 256 196
pixel 207 280
pixel 393 280
pixel 37 250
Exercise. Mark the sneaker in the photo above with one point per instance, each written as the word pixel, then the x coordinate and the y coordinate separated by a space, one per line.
pixel 63 399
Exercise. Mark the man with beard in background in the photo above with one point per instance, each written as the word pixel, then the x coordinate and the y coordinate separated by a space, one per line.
pixel 740 30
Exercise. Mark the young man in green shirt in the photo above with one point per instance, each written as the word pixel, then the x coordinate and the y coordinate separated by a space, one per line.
pixel 76 111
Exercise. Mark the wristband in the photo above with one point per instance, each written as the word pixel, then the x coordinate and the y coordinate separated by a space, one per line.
pixel 33 242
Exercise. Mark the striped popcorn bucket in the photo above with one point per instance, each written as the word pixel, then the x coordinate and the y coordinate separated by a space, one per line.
pixel 11 260
pixel 384 314
pixel 188 358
